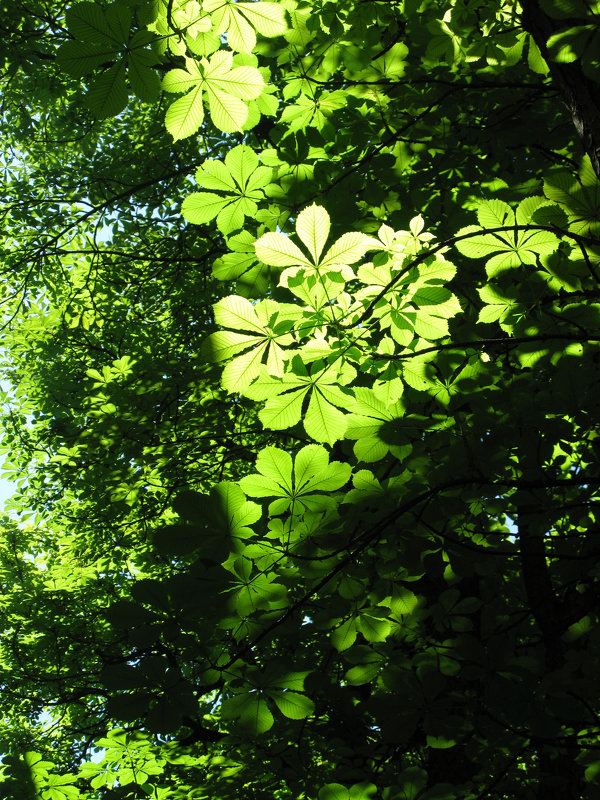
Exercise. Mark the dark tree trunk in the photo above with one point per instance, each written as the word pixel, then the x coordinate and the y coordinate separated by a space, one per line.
pixel 559 775
pixel 580 94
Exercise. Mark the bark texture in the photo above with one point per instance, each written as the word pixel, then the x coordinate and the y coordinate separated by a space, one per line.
pixel 580 94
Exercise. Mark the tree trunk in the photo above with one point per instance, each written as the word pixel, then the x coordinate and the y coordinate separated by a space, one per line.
pixel 559 775
pixel 580 94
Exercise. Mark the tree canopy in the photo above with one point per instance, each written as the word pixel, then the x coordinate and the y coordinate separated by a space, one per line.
pixel 301 369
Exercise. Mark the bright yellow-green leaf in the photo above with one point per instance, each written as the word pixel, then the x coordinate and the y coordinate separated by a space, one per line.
pixel 312 226
pixel 278 250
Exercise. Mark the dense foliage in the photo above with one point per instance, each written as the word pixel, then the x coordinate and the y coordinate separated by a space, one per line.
pixel 301 347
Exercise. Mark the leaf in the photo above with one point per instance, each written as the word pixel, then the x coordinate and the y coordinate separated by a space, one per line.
pixel 494 213
pixel 79 58
pixel 293 705
pixel 227 87
pixel 201 207
pixel 267 18
pixel 240 178
pixel 362 674
pixel 228 112
pixel 240 20
pixel 278 250
pixel 333 791
pixel 284 411
pixel 88 22
pixel 412 780
pixel 241 161
pixel 222 345
pixel 324 422
pixel 185 115
pixel 312 226
pixel 344 635
pixel 403 602
pixel 374 628
pixel 237 312
pixel 246 83
pixel 251 711
pixel 143 79
pixel 240 372
pixel 349 249
pixel 107 95
pixel 312 472
pixel 276 465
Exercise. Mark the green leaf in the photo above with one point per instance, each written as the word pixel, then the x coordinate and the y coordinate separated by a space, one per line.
pixel 79 58
pixel 312 227
pixel 201 207
pixel 284 411
pixel 185 115
pixel 278 250
pixel 293 705
pixel 344 635
pixel 267 18
pixel 107 95
pixel 374 628
pixel 348 249
pixel 227 87
pixel 228 112
pixel 241 19
pixel 403 602
pixel 250 710
pixel 240 372
pixel 143 79
pixel 276 465
pixel 362 674
pixel 324 422
pixel 333 791
pixel 88 22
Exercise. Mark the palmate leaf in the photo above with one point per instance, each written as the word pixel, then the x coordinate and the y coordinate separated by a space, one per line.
pixel 284 411
pixel 201 207
pixel 242 180
pixel 102 34
pixel 143 79
pixel 228 112
pixel 322 421
pixel 223 345
pixel 214 174
pixel 510 248
pixel 228 89
pixel 250 710
pixel 242 20
pixel 296 485
pixel 367 422
pixel 275 465
pixel 240 372
pixel 578 196
pixel 344 635
pixel 312 227
pixel 80 58
pixel 497 306
pixel 238 313
pixel 186 115
pixel 349 249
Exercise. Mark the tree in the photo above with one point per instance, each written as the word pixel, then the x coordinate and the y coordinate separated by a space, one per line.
pixel 301 319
